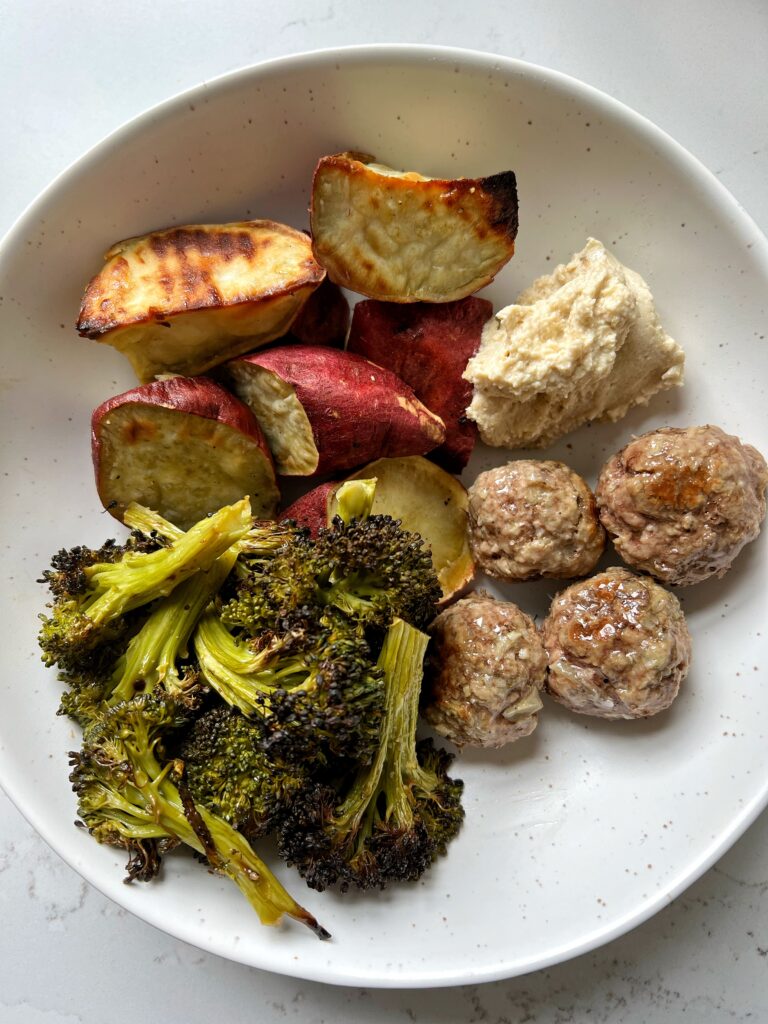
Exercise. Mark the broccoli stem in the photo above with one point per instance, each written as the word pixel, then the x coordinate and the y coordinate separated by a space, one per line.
pixel 401 659
pixel 146 521
pixel 148 804
pixel 153 652
pixel 354 499
pixel 116 588
pixel 229 667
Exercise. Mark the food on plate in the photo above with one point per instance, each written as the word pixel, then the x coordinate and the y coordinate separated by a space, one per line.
pixel 228 675
pixel 485 668
pixel 617 646
pixel 532 518
pixel 227 770
pixel 424 498
pixel 182 446
pixel 388 821
pixel 310 511
pixel 128 798
pixel 184 299
pixel 366 565
pixel 130 794
pixel 96 592
pixel 403 237
pixel 681 503
pixel 323 319
pixel 323 410
pixel 428 345
pixel 582 343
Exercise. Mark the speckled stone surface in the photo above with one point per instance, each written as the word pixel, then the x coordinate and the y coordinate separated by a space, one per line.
pixel 69 73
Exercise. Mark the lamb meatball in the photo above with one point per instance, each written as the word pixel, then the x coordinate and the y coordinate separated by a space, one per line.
pixel 618 646
pixel 485 667
pixel 680 504
pixel 533 518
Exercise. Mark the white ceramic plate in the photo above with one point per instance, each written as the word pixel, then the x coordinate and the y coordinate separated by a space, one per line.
pixel 582 831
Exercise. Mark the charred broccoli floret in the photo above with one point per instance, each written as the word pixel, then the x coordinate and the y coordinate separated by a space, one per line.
pixel 91 598
pixel 370 569
pixel 310 686
pixel 395 815
pixel 227 771
pixel 129 796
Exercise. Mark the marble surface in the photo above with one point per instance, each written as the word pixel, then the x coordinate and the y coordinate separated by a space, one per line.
pixel 72 71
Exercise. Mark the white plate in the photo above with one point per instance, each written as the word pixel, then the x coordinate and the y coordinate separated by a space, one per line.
pixel 587 828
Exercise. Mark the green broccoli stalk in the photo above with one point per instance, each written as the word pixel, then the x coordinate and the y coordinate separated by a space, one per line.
pixel 398 813
pixel 105 592
pixel 227 771
pixel 261 540
pixel 311 687
pixel 128 798
pixel 354 499
pixel 153 653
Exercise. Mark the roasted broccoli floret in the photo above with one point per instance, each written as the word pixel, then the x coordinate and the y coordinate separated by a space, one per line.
pixel 370 569
pixel 91 598
pixel 226 769
pixel 130 797
pixel 310 686
pixel 397 814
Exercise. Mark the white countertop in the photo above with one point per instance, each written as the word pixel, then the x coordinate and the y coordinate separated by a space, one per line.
pixel 70 72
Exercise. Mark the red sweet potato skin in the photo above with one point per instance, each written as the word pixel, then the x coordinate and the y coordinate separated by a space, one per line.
pixel 428 346
pixel 311 509
pixel 323 319
pixel 199 396
pixel 358 411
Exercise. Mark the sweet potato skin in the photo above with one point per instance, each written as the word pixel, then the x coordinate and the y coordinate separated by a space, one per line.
pixel 311 509
pixel 323 319
pixel 428 346
pixel 357 410
pixel 196 396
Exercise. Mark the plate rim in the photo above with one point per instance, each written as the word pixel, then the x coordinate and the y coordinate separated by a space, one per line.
pixel 744 224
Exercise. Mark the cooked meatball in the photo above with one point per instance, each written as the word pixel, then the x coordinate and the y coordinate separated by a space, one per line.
pixel 617 645
pixel 530 519
pixel 485 667
pixel 680 504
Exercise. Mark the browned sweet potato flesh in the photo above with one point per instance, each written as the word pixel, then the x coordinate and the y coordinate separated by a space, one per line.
pixel 183 447
pixel 403 237
pixel 184 299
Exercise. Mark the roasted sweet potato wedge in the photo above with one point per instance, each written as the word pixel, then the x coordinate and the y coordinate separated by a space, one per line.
pixel 184 299
pixel 323 410
pixel 183 447
pixel 425 498
pixel 404 237
pixel 428 346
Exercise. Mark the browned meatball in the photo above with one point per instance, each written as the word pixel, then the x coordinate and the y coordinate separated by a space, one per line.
pixel 533 518
pixel 618 646
pixel 485 668
pixel 680 504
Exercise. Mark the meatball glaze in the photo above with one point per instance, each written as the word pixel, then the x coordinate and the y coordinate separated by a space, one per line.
pixel 533 518
pixel 485 667
pixel 617 645
pixel 680 504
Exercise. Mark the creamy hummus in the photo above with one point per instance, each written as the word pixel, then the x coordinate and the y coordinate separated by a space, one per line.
pixel 580 344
